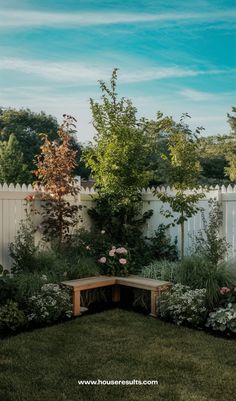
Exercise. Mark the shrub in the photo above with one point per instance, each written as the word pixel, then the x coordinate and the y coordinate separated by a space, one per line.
pixel 161 270
pixel 22 251
pixel 227 295
pixel 7 290
pixel 208 242
pixel 183 305
pixel 161 246
pixel 84 267
pixel 199 272
pixel 116 262
pixel 223 319
pixel 11 318
pixel 51 304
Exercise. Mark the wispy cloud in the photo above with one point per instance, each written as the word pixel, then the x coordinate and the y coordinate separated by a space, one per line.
pixel 199 96
pixel 17 18
pixel 85 74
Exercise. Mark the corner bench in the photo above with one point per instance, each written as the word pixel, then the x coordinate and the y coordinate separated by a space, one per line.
pixel 155 286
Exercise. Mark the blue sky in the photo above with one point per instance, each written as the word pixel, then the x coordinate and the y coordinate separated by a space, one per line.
pixel 173 56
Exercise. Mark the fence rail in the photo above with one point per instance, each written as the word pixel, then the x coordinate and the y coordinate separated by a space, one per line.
pixel 12 211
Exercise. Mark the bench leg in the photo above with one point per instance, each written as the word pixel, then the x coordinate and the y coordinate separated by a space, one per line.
pixel 76 303
pixel 116 293
pixel 154 298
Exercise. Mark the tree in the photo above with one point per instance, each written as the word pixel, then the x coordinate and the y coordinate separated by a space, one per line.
pixel 27 127
pixel 12 167
pixel 118 163
pixel 230 148
pixel 183 169
pixel 54 172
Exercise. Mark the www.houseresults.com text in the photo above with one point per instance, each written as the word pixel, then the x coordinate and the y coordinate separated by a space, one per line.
pixel 132 382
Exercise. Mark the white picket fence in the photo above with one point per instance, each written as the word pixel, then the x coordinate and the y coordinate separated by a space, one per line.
pixel 12 211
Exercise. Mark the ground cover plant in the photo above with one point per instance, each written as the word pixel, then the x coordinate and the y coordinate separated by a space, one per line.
pixel 47 363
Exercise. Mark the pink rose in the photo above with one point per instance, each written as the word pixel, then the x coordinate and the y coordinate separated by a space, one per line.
pixel 121 250
pixel 123 261
pixel 224 290
pixel 103 260
pixel 112 252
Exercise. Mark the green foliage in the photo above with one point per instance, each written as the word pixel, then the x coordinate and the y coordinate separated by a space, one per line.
pixel 13 170
pixel 11 318
pixel 27 127
pixel 7 290
pixel 161 246
pixel 161 270
pixel 85 266
pixel 230 148
pixel 223 319
pixel 50 304
pixel 26 285
pixel 183 169
pixel 208 242
pixel 119 163
pixel 198 272
pixel 23 249
pixel 183 305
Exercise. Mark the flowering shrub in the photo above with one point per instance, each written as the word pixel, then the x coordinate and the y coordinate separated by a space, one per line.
pixel 51 304
pixel 183 305
pixel 223 319
pixel 227 295
pixel 11 318
pixel 116 262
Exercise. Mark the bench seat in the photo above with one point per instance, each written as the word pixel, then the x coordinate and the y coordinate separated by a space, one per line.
pixel 155 286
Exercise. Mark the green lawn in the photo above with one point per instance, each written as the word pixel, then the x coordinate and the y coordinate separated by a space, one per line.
pixel 45 365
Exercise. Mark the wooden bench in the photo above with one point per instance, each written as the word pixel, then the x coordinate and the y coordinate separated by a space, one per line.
pixel 155 286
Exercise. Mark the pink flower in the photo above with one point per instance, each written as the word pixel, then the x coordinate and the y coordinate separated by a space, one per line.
pixel 224 290
pixel 121 250
pixel 112 252
pixel 29 198
pixel 103 260
pixel 235 289
pixel 123 261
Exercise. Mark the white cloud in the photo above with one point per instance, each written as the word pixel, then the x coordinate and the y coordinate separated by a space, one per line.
pixel 18 18
pixel 199 96
pixel 84 74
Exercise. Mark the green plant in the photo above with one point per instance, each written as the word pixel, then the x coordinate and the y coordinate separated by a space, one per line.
pixel 115 262
pixel 85 266
pixel 223 319
pixel 7 289
pixel 11 317
pixel 161 246
pixel 50 304
pixel 23 249
pixel 118 163
pixel 198 272
pixel 208 242
pixel 161 270
pixel 183 169
pixel 184 305
pixel 227 295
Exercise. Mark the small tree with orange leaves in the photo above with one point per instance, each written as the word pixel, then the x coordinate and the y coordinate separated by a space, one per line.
pixel 54 173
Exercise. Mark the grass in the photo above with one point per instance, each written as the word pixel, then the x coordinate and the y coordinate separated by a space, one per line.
pixel 46 364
